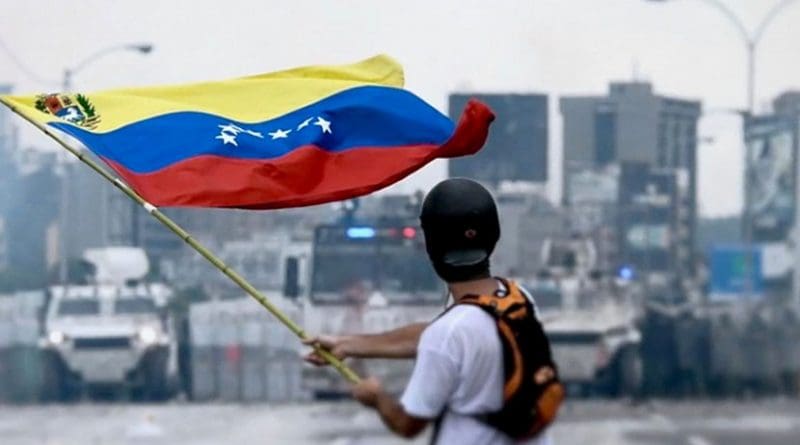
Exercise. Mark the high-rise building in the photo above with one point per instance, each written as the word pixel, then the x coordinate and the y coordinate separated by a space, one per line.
pixel 632 124
pixel 653 220
pixel 516 149
pixel 629 124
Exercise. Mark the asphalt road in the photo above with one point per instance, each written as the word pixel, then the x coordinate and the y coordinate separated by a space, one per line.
pixel 770 422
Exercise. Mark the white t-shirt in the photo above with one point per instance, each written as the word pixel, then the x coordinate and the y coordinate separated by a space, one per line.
pixel 460 366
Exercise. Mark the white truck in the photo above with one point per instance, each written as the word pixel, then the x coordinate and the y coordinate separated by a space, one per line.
pixel 110 334
pixel 590 321
pixel 368 278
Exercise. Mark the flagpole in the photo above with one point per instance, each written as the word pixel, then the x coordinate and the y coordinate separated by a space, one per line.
pixel 343 369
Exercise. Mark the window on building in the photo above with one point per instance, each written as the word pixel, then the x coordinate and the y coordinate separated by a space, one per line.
pixel 605 135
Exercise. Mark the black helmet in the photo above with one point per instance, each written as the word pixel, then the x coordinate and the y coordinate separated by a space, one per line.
pixel 459 218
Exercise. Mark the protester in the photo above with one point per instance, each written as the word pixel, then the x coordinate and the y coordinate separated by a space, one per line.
pixel 463 381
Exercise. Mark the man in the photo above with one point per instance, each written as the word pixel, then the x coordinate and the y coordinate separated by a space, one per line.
pixel 458 375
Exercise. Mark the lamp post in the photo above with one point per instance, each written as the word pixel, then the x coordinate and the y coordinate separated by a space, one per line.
pixel 66 83
pixel 66 86
pixel 750 39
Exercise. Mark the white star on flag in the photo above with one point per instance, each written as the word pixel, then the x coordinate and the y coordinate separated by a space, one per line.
pixel 230 128
pixel 227 138
pixel 229 132
pixel 323 124
pixel 280 134
pixel 305 123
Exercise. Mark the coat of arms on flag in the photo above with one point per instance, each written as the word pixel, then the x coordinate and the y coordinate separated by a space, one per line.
pixel 76 110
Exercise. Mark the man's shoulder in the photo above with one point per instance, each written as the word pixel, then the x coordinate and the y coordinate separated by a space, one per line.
pixel 457 320
pixel 460 315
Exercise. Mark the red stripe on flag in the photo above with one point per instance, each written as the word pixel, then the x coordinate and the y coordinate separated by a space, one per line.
pixel 306 176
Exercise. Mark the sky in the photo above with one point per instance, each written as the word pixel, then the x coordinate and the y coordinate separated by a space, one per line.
pixel 686 48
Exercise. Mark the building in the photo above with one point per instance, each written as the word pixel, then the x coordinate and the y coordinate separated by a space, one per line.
pixel 772 143
pixel 527 221
pixel 787 103
pixel 592 202
pixel 95 214
pixel 3 248
pixel 32 208
pixel 637 217
pixel 85 220
pixel 540 223
pixel 516 149
pixel 654 227
pixel 631 124
pixel 5 126
pixel 8 171
pixel 592 209
pixel 771 164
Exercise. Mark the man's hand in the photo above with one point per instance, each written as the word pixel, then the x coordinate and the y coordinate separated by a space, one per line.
pixel 367 391
pixel 334 344
pixel 371 394
pixel 398 343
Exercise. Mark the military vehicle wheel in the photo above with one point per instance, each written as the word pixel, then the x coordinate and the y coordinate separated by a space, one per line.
pixel 629 373
pixel 58 384
pixel 156 380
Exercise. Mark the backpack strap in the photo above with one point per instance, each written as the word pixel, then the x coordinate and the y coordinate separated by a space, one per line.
pixel 437 425
pixel 503 306
pixel 511 303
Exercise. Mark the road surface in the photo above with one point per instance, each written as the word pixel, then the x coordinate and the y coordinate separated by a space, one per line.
pixel 771 422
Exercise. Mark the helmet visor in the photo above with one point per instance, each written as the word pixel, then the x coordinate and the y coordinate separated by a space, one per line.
pixel 465 257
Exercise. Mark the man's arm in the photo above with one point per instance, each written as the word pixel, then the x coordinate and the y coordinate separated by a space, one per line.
pixel 426 396
pixel 398 343
pixel 370 393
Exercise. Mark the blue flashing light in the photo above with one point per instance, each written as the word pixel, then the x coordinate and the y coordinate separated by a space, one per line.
pixel 626 272
pixel 360 232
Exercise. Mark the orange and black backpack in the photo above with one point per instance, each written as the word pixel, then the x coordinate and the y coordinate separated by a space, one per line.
pixel 532 392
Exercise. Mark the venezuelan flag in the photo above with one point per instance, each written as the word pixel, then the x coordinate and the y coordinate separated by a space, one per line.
pixel 292 138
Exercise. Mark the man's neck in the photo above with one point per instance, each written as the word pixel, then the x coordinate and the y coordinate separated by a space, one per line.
pixel 481 286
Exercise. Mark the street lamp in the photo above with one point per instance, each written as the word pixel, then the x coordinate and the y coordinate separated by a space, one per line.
pixel 66 86
pixel 751 40
pixel 143 48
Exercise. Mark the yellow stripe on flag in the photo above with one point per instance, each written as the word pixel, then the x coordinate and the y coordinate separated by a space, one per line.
pixel 247 99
